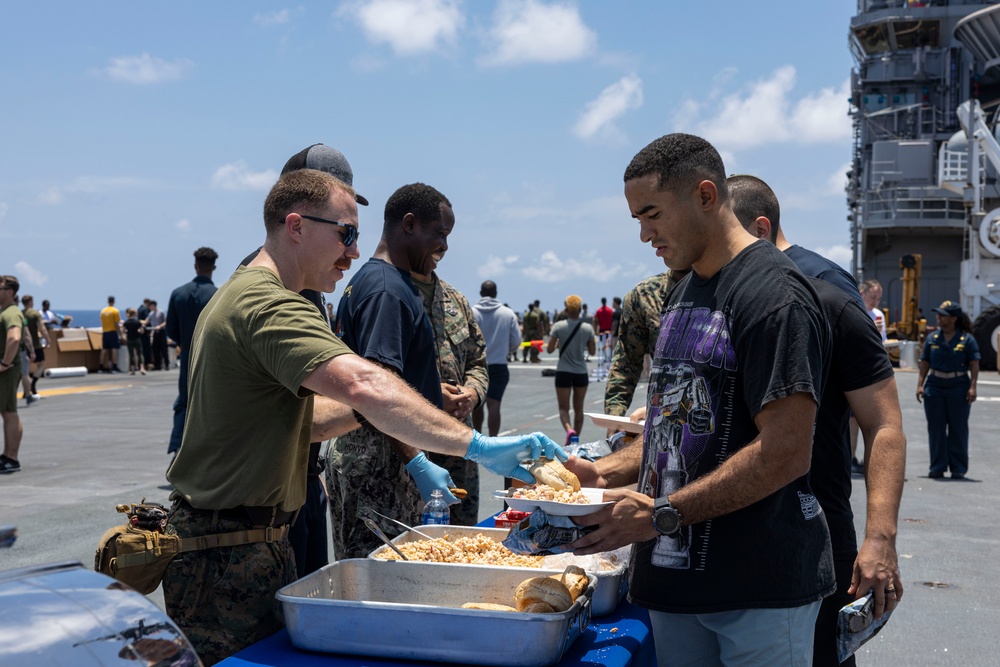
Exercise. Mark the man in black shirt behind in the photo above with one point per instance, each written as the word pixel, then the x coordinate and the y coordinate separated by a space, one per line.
pixel 861 380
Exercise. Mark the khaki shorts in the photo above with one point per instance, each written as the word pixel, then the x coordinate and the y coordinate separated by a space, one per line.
pixel 10 381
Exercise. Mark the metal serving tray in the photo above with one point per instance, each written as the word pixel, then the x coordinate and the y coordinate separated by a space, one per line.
pixel 393 609
pixel 612 585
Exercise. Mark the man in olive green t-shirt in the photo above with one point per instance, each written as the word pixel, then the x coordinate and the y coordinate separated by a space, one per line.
pixel 39 339
pixel 11 328
pixel 260 355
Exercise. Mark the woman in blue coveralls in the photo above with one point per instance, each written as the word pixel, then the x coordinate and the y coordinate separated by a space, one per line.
pixel 950 356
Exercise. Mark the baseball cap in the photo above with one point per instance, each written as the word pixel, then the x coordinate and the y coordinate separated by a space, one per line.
pixel 324 158
pixel 949 309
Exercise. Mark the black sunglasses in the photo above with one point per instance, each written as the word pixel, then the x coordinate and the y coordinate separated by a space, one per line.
pixel 350 231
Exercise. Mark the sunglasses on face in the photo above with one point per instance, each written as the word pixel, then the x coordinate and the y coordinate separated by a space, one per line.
pixel 349 232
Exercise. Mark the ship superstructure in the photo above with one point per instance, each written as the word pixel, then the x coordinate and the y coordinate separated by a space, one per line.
pixel 916 63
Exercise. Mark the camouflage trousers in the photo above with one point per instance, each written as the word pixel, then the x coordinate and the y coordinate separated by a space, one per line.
pixel 364 473
pixel 465 474
pixel 223 599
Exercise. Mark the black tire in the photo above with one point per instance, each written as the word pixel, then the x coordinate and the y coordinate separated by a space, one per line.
pixel 984 329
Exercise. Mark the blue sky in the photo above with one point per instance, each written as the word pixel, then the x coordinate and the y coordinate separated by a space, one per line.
pixel 133 133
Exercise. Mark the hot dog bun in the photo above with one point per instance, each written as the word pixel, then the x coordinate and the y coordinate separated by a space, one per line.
pixel 554 474
pixel 538 608
pixel 575 579
pixel 487 606
pixel 543 589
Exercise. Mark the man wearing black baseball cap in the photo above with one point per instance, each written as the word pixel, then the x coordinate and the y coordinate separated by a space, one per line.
pixel 324 158
pixel 308 533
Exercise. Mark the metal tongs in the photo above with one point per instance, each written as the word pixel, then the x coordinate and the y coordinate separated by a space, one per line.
pixel 372 526
pixel 401 524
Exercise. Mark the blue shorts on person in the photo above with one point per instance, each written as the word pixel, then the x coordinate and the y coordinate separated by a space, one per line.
pixel 110 340
pixel 499 377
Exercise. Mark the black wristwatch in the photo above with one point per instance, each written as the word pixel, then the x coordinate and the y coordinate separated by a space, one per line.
pixel 666 518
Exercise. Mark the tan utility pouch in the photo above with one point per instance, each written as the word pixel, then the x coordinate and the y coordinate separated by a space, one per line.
pixel 139 557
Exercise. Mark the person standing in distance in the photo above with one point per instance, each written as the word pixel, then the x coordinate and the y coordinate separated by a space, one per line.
pixel 11 330
pixel 111 336
pixel 946 385
pixel 503 336
pixel 185 305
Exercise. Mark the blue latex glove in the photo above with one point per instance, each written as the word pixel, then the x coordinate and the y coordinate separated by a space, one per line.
pixel 503 454
pixel 429 476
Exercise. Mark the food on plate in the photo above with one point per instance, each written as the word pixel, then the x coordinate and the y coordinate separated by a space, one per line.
pixel 546 492
pixel 574 579
pixel 487 606
pixel 474 550
pixel 551 472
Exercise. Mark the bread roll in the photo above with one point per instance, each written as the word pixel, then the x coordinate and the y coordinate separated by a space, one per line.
pixel 554 474
pixel 487 606
pixel 575 579
pixel 538 608
pixel 542 589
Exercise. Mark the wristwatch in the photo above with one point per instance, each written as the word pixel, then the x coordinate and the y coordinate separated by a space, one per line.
pixel 666 518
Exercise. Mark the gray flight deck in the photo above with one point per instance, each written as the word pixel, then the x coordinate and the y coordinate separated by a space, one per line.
pixel 100 440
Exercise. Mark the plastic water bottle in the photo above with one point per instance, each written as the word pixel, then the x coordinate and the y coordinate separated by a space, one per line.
pixel 436 510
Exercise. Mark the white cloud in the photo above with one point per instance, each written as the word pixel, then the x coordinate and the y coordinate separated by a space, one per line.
pixel 551 269
pixel 183 225
pixel 841 254
pixel 146 69
pixel 766 112
pixel 526 31
pixel 50 196
pixel 837 183
pixel 408 27
pixel 29 275
pixel 236 176
pixel 54 195
pixel 272 19
pixel 496 266
pixel 614 101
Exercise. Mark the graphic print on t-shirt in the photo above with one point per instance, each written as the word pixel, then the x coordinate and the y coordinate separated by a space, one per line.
pixel 691 381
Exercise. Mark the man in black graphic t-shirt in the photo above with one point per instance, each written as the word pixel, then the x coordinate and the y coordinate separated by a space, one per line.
pixel 732 553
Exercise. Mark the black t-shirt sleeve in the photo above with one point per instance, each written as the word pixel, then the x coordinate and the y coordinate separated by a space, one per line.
pixel 862 359
pixel 782 355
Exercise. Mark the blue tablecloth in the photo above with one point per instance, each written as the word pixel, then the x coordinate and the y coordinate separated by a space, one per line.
pixel 621 639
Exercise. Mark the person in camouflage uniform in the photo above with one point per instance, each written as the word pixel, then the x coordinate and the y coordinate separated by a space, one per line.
pixel 637 334
pixel 461 362
pixel 531 330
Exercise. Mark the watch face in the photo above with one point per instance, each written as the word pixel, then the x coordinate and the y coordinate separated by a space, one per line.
pixel 667 520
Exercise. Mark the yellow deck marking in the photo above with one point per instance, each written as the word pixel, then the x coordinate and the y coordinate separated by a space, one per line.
pixel 80 390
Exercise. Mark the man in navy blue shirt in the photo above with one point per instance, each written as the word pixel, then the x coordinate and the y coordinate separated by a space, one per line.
pixel 185 305
pixel 382 318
